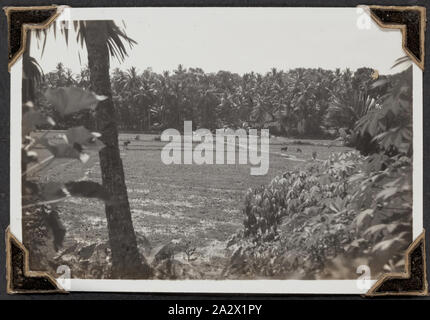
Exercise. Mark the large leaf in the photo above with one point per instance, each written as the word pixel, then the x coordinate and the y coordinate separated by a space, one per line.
pixel 363 219
pixel 84 137
pixel 70 99
pixel 52 191
pixel 379 83
pixel 65 150
pixel 388 245
pixel 87 189
pixel 387 193
pixel 378 228
pixel 31 120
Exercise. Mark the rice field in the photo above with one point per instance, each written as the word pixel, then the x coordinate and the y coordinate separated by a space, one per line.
pixel 199 203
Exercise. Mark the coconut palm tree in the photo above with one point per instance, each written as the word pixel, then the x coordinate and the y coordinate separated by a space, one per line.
pixel 104 39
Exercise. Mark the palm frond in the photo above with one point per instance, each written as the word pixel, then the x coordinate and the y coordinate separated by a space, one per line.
pixel 400 61
pixel 115 36
pixel 32 69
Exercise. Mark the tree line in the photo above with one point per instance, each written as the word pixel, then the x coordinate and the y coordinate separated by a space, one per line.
pixel 303 103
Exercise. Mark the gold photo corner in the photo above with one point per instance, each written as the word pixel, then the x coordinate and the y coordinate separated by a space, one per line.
pixel 415 257
pixel 419 60
pixel 25 26
pixel 19 278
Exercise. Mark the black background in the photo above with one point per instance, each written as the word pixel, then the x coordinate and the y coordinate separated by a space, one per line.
pixel 271 303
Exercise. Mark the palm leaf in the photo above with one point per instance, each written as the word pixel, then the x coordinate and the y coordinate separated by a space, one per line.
pixel 400 61
pixel 114 35
pixel 32 69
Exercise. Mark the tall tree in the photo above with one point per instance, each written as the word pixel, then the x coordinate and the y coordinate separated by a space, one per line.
pixel 104 39
pixel 126 260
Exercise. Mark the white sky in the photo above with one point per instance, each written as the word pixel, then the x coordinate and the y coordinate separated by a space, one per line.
pixel 237 39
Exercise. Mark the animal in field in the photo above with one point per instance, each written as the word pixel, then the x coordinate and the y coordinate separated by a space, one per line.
pixel 299 150
pixel 284 148
pixel 137 137
pixel 126 143
pixel 314 155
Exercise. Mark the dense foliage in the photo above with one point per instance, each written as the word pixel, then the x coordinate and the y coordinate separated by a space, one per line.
pixel 298 102
pixel 342 207
pixel 38 193
pixel 333 216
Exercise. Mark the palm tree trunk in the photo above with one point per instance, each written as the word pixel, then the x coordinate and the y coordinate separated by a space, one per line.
pixel 126 260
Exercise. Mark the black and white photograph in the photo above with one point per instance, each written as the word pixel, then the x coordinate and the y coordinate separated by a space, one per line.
pixel 265 150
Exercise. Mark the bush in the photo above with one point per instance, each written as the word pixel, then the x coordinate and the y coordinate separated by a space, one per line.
pixel 349 209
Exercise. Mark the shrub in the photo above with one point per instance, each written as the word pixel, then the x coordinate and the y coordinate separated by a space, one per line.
pixel 350 208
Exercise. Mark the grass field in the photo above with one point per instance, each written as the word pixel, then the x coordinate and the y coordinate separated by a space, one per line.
pixel 201 204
